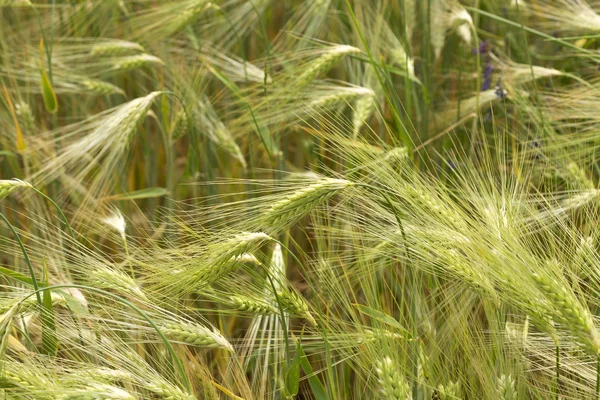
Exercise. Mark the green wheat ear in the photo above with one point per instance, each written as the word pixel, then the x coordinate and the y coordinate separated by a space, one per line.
pixel 9 186
pixel 505 387
pixel 195 335
pixel 392 385
pixel 293 207
pixel 324 63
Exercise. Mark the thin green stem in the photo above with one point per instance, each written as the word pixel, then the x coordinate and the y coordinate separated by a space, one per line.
pixel 27 260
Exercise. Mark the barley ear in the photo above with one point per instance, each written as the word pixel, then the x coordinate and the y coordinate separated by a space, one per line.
pixel 392 385
pixel 7 186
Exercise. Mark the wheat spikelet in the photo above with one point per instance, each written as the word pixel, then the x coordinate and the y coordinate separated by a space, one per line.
pixel 135 62
pixel 339 96
pixel 399 57
pixel 519 74
pixel 293 207
pixel 101 87
pixel 115 47
pixel 505 387
pixel 18 374
pixel 7 186
pixel 168 18
pixel 577 178
pixel 424 367
pixel 433 203
pixel 6 321
pixel 102 374
pixel 373 335
pixel 235 249
pixel 295 305
pixel 516 334
pixel 448 15
pixel 15 3
pixel 324 63
pixel 569 311
pixel 188 15
pixel 246 303
pixel 130 116
pixel 451 391
pixel 567 16
pixel 584 258
pixel 410 17
pixel 221 259
pixel 167 391
pixel 363 108
pixel 103 277
pixel 461 20
pixel 30 304
pixel 180 126
pixel 25 116
pixel 98 391
pixel 392 384
pixel 226 141
pixel 580 199
pixel 437 36
pixel 458 266
pixel 195 335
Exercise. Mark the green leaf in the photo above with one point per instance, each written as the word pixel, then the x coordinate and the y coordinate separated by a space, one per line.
pixel 382 317
pixel 50 100
pixel 292 379
pixel 16 275
pixel 49 340
pixel 148 193
pixel 7 153
pixel 314 382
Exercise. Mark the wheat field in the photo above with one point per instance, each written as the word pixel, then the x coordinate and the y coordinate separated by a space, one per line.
pixel 299 199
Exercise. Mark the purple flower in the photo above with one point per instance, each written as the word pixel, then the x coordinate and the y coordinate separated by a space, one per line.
pixel 482 49
pixel 487 77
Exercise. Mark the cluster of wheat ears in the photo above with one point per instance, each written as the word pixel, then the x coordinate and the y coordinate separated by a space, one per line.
pixel 310 199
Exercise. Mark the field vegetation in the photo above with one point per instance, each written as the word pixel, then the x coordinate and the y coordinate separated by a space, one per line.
pixel 310 199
